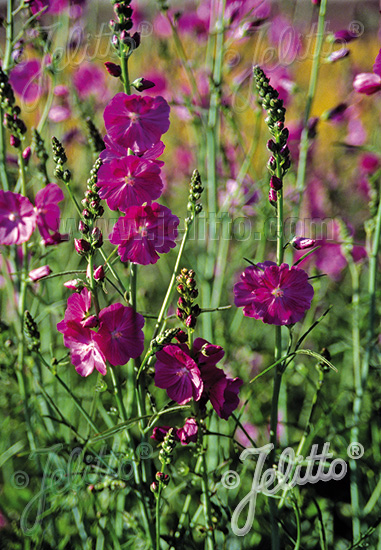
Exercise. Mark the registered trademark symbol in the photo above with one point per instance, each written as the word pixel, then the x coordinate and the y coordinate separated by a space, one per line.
pixel 355 450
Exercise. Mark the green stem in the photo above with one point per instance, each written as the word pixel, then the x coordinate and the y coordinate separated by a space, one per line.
pixel 304 141
pixel 9 36
pixel 164 306
pixel 207 507
pixel 113 272
pixel 3 155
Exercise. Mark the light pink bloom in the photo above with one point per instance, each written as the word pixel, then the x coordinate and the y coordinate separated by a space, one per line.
pixel 85 352
pixel 120 334
pixel 89 79
pixel 17 218
pixel 136 122
pixel 367 83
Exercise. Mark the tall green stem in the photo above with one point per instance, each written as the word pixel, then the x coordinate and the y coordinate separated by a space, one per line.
pixel 304 141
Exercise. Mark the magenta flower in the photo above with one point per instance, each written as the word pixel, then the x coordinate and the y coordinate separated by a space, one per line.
pixel 115 151
pixel 26 80
pixel 120 334
pixel 188 433
pixel 143 232
pixel 53 6
pixel 136 122
pixel 129 181
pixel 369 83
pixel 17 218
pixel 278 295
pixel 221 390
pixel 89 79
pixel 178 373
pixel 48 213
pixel 39 273
pixel 159 433
pixel 78 307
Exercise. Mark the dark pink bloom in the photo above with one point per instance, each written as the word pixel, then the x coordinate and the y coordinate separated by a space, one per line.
pixel 17 218
pixel 188 433
pixel 178 373
pixel 221 390
pixel 159 432
pixel 143 232
pixel 115 151
pixel 53 6
pixel 369 162
pixel 367 83
pixel 345 35
pixel 39 273
pixel 48 213
pixel 136 122
pixel 113 69
pixel 129 181
pixel 120 334
pixel 278 295
pixel 89 79
pixel 206 353
pixel 26 80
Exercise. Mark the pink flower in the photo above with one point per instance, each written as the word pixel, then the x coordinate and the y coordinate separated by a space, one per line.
pixel 278 295
pixel 89 79
pixel 159 433
pixel 178 373
pixel 221 390
pixel 26 80
pixel 78 307
pixel 17 218
pixel 48 213
pixel 54 6
pixel 39 273
pixel 136 122
pixel 129 181
pixel 369 83
pixel 85 352
pixel 188 433
pixel 120 334
pixel 115 151
pixel 143 232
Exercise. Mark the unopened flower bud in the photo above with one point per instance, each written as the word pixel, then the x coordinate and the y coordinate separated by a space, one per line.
pixel 142 84
pixel 97 237
pixel 181 337
pixel 83 227
pixel 338 54
pixel 272 146
pixel 276 183
pixel 161 476
pixel 179 313
pixel 39 273
pixel 81 246
pixel 26 154
pixel 14 141
pixel 74 284
pixel 154 486
pixel 273 196
pixel 190 321
pixel 301 243
pixel 66 176
pixel 271 164
pixel 99 273
pixel 113 69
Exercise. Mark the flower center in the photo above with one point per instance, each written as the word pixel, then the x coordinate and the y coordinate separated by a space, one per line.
pixel 129 180
pixel 143 230
pixel 13 216
pixel 116 334
pixel 277 292
pixel 134 117
pixel 182 372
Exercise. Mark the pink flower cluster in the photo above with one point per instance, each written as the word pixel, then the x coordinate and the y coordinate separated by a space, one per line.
pixel 118 339
pixel 130 177
pixel 369 83
pixel 18 217
pixel 193 374
pixel 187 434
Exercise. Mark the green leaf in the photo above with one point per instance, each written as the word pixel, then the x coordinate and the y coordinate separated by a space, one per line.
pixel 11 452
pixel 118 428
pixel 317 356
